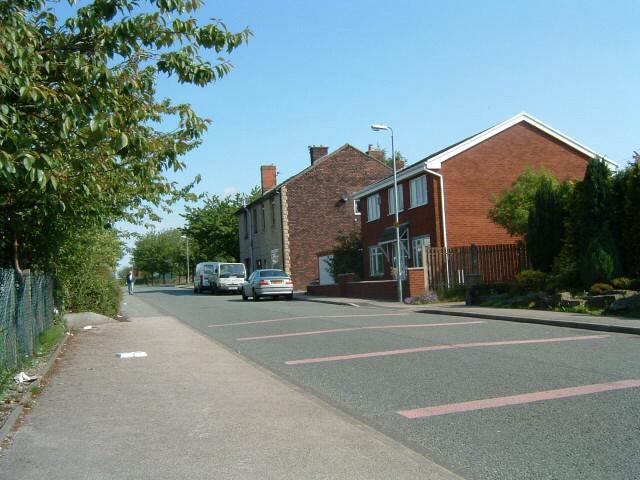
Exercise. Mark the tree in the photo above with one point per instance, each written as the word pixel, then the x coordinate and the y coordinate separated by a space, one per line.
pixel 81 142
pixel 401 160
pixel 545 228
pixel 347 255
pixel 511 208
pixel 629 213
pixel 214 226
pixel 160 252
pixel 598 253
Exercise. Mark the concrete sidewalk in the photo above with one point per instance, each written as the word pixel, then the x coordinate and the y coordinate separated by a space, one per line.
pixel 190 409
pixel 560 319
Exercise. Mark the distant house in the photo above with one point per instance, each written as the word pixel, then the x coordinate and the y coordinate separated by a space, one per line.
pixel 444 199
pixel 295 220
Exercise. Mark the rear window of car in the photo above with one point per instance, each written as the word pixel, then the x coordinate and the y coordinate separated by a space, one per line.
pixel 208 269
pixel 273 273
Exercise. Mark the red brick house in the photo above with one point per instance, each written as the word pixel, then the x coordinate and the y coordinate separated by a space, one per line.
pixel 294 220
pixel 444 198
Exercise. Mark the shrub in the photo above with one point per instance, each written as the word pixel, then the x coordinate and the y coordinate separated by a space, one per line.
pixel 531 281
pixel 622 283
pixel 426 297
pixel 600 288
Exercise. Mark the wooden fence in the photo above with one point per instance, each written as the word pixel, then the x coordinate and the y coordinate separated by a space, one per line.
pixel 485 264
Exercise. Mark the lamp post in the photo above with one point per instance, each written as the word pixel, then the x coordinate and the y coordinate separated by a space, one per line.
pixel 187 239
pixel 377 128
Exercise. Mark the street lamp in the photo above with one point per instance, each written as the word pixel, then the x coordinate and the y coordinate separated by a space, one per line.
pixel 187 239
pixel 377 128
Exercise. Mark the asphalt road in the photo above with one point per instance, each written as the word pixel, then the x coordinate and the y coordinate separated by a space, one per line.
pixel 486 399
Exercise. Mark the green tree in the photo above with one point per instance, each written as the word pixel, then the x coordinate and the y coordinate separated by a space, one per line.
pixel 214 226
pixel 161 253
pixel 511 208
pixel 347 255
pixel 545 228
pixel 81 140
pixel 629 213
pixel 598 253
pixel 401 160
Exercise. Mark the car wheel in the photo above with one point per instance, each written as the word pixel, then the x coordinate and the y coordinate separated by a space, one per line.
pixel 289 296
pixel 244 297
pixel 195 291
pixel 255 296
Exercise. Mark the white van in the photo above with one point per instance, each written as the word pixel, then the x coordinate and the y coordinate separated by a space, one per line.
pixel 219 277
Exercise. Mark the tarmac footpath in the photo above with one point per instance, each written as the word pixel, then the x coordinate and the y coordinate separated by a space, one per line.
pixel 189 409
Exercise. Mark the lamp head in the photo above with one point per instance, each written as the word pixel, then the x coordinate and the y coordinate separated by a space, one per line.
pixel 378 127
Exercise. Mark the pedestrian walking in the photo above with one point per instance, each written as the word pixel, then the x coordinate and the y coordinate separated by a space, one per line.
pixel 130 282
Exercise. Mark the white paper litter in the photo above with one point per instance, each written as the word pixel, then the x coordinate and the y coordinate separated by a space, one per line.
pixel 131 354
pixel 24 378
pixel 88 327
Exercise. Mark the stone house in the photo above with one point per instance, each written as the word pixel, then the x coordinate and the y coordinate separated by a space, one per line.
pixel 298 218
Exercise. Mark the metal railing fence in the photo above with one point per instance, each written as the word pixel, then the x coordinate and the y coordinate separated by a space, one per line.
pixel 26 310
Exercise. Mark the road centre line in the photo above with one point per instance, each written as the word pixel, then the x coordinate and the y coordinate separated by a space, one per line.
pixel 305 318
pixel 339 330
pixel 517 399
pixel 434 348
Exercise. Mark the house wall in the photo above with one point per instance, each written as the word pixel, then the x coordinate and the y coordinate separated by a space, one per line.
pixel 266 239
pixel 490 167
pixel 423 220
pixel 315 213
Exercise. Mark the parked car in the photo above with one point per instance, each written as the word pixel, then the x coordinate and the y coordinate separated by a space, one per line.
pixel 268 283
pixel 219 277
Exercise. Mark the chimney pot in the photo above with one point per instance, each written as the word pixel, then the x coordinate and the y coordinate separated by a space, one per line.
pixel 317 151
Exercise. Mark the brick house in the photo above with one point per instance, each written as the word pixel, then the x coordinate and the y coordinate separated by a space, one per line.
pixel 444 199
pixel 292 221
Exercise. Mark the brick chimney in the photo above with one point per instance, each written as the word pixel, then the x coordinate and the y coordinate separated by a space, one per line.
pixel 268 177
pixel 375 153
pixel 317 151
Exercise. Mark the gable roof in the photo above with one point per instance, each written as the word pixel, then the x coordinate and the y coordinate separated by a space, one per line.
pixel 276 189
pixel 434 161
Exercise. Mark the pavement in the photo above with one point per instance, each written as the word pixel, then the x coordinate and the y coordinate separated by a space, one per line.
pixel 191 408
pixel 543 317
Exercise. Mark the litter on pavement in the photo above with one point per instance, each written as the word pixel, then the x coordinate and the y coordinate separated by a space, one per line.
pixel 88 327
pixel 131 354
pixel 24 378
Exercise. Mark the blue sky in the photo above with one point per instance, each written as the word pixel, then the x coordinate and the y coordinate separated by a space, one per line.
pixel 323 72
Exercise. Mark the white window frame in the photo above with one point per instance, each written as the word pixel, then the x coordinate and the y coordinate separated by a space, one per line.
pixel 416 248
pixel 376 262
pixel 373 207
pixel 356 207
pixel 392 205
pixel 419 192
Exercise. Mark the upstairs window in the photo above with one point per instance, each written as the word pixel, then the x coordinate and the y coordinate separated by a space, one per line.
pixel 373 207
pixel 418 191
pixel 254 220
pixel 392 200
pixel 273 213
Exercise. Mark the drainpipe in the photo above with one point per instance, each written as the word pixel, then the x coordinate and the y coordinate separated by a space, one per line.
pixel 444 218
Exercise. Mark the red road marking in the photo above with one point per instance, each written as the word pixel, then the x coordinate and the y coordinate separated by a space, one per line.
pixel 518 399
pixel 351 329
pixel 440 347
pixel 304 318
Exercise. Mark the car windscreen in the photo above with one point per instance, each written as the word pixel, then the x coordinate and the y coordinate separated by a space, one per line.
pixel 273 273
pixel 231 270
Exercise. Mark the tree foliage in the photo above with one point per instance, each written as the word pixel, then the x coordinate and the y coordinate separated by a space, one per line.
pixel 511 208
pixel 161 252
pixel 213 227
pixel 546 224
pixel 347 255
pixel 81 135
pixel 629 214
pixel 598 252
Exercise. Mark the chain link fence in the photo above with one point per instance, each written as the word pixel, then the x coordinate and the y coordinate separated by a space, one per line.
pixel 26 310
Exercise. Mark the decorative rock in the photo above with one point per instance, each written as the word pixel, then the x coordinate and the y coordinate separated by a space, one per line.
pixel 626 303
pixel 602 301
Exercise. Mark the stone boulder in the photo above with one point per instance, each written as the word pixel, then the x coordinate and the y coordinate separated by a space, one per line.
pixel 625 303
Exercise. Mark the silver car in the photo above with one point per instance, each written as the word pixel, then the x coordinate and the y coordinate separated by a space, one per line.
pixel 267 283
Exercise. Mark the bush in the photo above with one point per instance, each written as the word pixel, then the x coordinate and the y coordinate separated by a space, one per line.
pixel 623 283
pixel 426 297
pixel 531 281
pixel 600 288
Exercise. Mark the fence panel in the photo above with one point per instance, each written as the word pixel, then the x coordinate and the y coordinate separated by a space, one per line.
pixel 26 310
pixel 450 267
